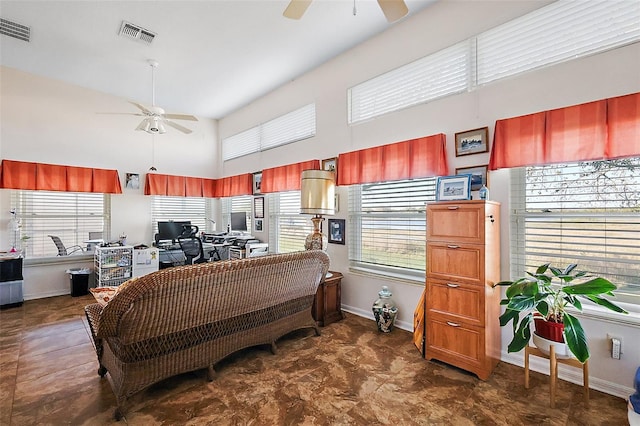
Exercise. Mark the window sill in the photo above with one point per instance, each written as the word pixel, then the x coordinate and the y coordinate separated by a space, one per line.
pixel 394 275
pixel 57 260
pixel 596 312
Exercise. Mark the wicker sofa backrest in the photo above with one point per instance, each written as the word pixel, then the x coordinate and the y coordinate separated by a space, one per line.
pixel 176 299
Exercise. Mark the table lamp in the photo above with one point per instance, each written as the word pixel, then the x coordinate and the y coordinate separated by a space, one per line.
pixel 317 197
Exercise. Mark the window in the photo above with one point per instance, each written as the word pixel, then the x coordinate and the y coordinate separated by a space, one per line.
pixel 432 77
pixel 387 226
pixel 560 31
pixel 586 213
pixel 288 229
pixel 291 127
pixel 236 204
pixel 68 215
pixel 195 209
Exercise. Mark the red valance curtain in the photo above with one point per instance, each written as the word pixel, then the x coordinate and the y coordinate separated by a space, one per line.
pixel 53 177
pixel 605 129
pixel 286 178
pixel 233 186
pixel 412 159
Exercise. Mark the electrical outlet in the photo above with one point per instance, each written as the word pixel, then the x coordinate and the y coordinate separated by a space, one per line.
pixel 616 346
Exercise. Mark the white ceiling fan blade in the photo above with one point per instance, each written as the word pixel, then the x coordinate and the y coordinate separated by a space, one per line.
pixel 180 117
pixel 177 126
pixel 142 108
pixel 121 113
pixel 393 9
pixel 296 9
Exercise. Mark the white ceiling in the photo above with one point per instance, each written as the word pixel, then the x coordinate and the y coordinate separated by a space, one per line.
pixel 215 56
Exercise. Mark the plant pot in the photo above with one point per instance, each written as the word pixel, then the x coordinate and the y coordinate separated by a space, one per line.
pixel 561 349
pixel 549 330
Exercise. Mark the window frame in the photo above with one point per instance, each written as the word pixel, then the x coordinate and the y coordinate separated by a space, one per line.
pixel 22 202
pixel 408 209
pixel 521 213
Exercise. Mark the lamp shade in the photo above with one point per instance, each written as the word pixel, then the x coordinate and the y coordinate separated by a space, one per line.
pixel 317 192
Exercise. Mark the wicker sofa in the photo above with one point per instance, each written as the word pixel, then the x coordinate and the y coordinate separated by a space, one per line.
pixel 190 317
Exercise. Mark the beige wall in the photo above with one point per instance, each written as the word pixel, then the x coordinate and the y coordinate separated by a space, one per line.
pixel 47 121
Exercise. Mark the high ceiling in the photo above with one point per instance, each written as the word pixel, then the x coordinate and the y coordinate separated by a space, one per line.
pixel 214 56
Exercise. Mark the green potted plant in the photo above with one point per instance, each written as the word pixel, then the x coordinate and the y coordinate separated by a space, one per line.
pixel 546 294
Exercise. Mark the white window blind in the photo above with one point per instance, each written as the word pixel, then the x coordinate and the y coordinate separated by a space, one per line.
pixel 241 144
pixel 237 205
pixel 195 209
pixel 443 73
pixel 291 127
pixel 584 213
pixel 558 32
pixel 288 228
pixel 68 215
pixel 387 225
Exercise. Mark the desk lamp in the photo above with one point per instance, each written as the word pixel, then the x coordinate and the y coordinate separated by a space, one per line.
pixel 317 197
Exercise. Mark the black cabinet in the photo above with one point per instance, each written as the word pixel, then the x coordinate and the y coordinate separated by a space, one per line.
pixel 11 282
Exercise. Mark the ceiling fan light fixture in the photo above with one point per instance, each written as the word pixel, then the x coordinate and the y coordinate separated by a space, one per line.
pixel 153 126
pixel 161 128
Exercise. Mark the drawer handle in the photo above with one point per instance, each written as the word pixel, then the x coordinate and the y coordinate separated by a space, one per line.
pixel 453 324
pixel 453 207
pixel 451 246
pixel 452 285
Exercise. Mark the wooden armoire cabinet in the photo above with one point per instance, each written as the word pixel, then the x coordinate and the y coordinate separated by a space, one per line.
pixel 461 308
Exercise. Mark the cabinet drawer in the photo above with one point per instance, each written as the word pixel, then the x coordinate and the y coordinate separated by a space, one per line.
pixel 462 221
pixel 455 261
pixel 458 302
pixel 455 343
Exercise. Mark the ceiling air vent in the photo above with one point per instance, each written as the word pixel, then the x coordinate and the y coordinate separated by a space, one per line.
pixel 15 30
pixel 129 30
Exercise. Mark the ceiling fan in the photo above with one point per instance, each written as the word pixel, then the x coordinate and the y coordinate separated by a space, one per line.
pixel 155 117
pixel 392 9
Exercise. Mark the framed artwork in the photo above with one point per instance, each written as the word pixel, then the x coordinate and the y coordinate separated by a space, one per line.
pixel 132 181
pixel 478 174
pixel 257 225
pixel 472 141
pixel 258 207
pixel 453 188
pixel 257 182
pixel 336 231
pixel 330 164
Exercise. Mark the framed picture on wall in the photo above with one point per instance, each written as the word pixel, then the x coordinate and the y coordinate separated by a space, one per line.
pixel 258 225
pixel 472 141
pixel 257 183
pixel 258 207
pixel 449 188
pixel 330 164
pixel 336 231
pixel 478 174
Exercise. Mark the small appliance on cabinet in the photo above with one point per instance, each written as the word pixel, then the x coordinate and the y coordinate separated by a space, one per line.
pixel 461 308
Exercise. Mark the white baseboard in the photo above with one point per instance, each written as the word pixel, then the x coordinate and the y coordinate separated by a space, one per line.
pixel 42 295
pixel 537 364
pixel 403 325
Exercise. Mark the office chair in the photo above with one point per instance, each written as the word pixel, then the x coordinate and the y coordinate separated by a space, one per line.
pixel 62 250
pixel 192 249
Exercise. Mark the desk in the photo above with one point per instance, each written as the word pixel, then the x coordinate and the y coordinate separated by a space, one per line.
pixel 171 257
pixel 216 251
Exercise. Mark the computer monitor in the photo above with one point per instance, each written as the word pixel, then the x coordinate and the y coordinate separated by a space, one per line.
pixel 171 230
pixel 239 221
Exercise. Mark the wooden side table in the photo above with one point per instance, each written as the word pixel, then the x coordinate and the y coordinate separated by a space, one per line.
pixel 553 371
pixel 327 304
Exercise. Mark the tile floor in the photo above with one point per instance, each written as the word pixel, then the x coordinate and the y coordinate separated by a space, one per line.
pixel 351 375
